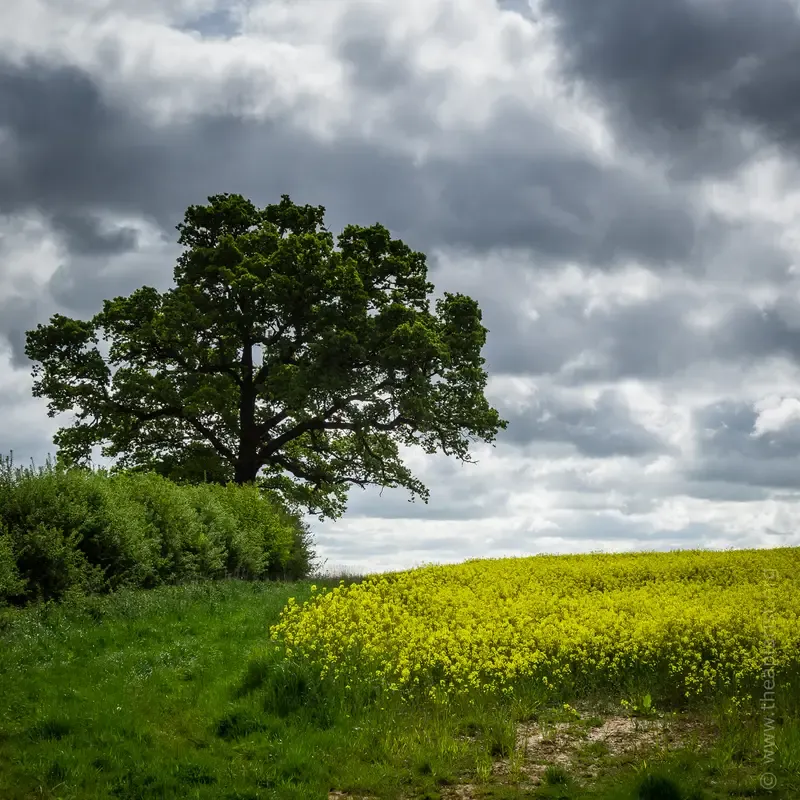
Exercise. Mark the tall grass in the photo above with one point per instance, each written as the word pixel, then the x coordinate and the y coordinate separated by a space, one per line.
pixel 79 531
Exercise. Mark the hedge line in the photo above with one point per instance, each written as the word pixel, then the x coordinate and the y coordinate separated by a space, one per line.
pixel 80 531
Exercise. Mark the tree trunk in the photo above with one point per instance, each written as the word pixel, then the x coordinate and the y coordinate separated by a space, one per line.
pixel 247 468
pixel 247 464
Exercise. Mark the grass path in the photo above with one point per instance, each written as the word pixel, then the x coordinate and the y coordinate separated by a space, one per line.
pixel 139 695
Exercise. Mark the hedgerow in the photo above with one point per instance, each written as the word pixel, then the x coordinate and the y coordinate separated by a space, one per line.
pixel 79 531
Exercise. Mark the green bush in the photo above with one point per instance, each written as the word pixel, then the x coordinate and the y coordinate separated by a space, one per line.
pixel 78 531
pixel 70 529
pixel 126 544
pixel 173 525
pixel 219 530
pixel 302 560
pixel 48 518
pixel 10 582
pixel 263 538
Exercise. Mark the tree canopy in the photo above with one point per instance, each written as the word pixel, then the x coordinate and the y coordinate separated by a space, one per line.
pixel 278 358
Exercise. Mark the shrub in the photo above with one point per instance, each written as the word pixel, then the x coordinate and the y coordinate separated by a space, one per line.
pixel 45 517
pixel 302 560
pixel 262 538
pixel 10 582
pixel 69 529
pixel 173 525
pixel 50 563
pixel 78 531
pixel 219 531
pixel 125 544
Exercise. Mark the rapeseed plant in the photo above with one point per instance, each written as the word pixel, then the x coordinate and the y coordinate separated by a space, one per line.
pixel 687 623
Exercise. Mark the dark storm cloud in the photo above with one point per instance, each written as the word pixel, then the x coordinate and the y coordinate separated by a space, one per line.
pixel 72 151
pixel 600 431
pixel 648 340
pixel 726 451
pixel 515 344
pixel 84 236
pixel 681 77
pixel 79 286
pixel 565 207
pixel 645 340
pixel 77 153
pixel 755 333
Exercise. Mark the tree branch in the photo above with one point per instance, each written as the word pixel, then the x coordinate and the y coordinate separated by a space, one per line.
pixel 210 369
pixel 295 345
pixel 274 420
pixel 174 354
pixel 221 448
pixel 180 413
pixel 314 477
pixel 319 422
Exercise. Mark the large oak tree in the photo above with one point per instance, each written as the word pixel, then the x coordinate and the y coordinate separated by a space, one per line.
pixel 278 358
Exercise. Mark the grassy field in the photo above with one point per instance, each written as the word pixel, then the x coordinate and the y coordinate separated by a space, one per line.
pixel 169 693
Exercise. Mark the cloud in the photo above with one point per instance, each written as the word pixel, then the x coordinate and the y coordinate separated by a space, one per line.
pixel 561 206
pixel 74 152
pixel 733 447
pixel 695 83
pixel 600 429
pixel 78 151
pixel 85 235
pixel 775 414
pixel 617 185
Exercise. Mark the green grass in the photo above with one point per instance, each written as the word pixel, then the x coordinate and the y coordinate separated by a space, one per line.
pixel 168 693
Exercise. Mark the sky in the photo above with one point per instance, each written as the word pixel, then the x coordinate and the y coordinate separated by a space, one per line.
pixel 617 184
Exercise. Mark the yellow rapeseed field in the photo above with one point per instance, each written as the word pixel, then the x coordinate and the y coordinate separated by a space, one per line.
pixel 694 623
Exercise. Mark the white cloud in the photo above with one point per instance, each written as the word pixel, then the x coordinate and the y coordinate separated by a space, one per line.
pixel 775 413
pixel 459 113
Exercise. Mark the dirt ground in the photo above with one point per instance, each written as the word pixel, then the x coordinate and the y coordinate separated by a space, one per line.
pixel 579 747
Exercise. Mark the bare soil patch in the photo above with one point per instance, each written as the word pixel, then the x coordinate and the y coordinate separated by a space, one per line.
pixel 579 747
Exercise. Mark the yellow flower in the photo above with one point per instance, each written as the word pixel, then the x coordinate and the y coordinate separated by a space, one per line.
pixel 694 616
